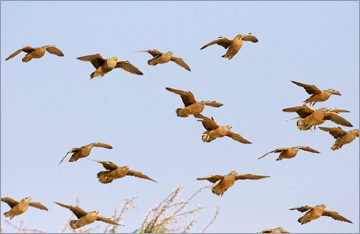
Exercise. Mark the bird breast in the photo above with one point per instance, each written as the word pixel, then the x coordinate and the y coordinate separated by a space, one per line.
pixel 110 64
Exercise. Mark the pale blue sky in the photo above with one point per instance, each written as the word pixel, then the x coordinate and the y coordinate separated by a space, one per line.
pixel 50 105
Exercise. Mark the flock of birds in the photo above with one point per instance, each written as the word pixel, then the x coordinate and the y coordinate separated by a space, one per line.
pixel 307 120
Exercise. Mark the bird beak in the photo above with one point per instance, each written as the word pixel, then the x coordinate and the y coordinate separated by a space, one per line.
pixel 336 92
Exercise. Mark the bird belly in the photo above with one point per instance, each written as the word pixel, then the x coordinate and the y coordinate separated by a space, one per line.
pixel 233 50
pixel 319 97
pixel 346 139
pixel 287 154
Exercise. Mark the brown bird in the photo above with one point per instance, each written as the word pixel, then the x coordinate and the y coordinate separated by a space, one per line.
pixel 290 152
pixel 85 218
pixel 317 211
pixel 226 181
pixel 115 172
pixel 84 151
pixel 17 208
pixel 317 94
pixel 104 65
pixel 36 52
pixel 192 107
pixel 310 117
pixel 342 137
pixel 159 58
pixel 233 45
pixel 275 230
pixel 214 130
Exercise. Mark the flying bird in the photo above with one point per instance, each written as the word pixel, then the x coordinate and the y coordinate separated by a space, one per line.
pixel 159 58
pixel 290 152
pixel 104 65
pixel 36 52
pixel 213 130
pixel 192 107
pixel 115 172
pixel 17 208
pixel 84 151
pixel 310 118
pixel 342 137
pixel 275 230
pixel 85 218
pixel 317 211
pixel 317 95
pixel 233 46
pixel 226 181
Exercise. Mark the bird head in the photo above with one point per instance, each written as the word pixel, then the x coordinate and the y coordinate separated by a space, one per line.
pixel 26 199
pixel 114 58
pixel 238 36
pixel 296 148
pixel 203 103
pixel 324 109
pixel 356 131
pixel 334 92
pixel 228 127
pixel 322 206
pixel 233 173
pixel 170 52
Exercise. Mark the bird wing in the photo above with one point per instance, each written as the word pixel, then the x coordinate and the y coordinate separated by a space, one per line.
pixel 212 178
pixel 302 111
pixel 335 215
pixel 338 110
pixel 106 164
pixel 180 62
pixel 26 49
pixel 107 220
pixel 154 53
pixel 335 132
pixel 187 97
pixel 213 103
pixel 250 177
pixel 209 124
pixel 237 137
pixel 310 89
pixel 307 148
pixel 96 59
pixel 99 144
pixel 337 119
pixel 302 208
pixel 71 151
pixel 38 205
pixel 274 151
pixel 127 66
pixel 75 209
pixel 139 174
pixel 11 202
pixel 222 41
pixel 249 37
pixel 54 50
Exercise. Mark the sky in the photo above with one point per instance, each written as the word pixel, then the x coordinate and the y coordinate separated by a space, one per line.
pixel 50 105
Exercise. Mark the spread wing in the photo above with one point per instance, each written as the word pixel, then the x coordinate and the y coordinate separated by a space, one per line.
pixel 38 205
pixel 106 164
pixel 11 202
pixel 222 41
pixel 127 66
pixel 187 97
pixel 249 37
pixel 73 150
pixel 154 53
pixel 54 50
pixel 337 119
pixel 107 220
pixel 212 178
pixel 96 59
pixel 302 208
pixel 250 177
pixel 338 110
pixel 209 124
pixel 26 49
pixel 335 132
pixel 180 62
pixel 335 215
pixel 75 209
pixel 213 103
pixel 274 151
pixel 302 111
pixel 307 148
pixel 310 89
pixel 237 137
pixel 139 174
pixel 99 144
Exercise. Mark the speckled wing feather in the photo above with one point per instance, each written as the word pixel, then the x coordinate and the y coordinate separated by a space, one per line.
pixel 96 59
pixel 250 177
pixel 302 111
pixel 106 164
pixel 10 201
pixel 75 209
pixel 180 62
pixel 99 144
pixel 139 175
pixel 307 148
pixel 335 215
pixel 335 132
pixel 54 50
pixel 237 137
pixel 127 66
pixel 302 208
pixel 310 89
pixel 249 37
pixel 187 97
pixel 71 151
pixel 38 205
pixel 212 178
pixel 222 41
pixel 107 220
pixel 26 49
pixel 337 119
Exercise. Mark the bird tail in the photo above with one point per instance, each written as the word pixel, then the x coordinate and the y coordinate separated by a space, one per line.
pixel 98 72
pixel 181 112
pixel 335 146
pixel 217 191
pixel 103 178
pixel 302 220
pixel 151 62
pixel 73 224
pixel 206 137
pixel 7 214
pixel 302 125
pixel 27 58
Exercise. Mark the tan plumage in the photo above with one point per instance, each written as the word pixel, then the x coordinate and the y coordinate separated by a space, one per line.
pixel 316 212
pixel 104 65
pixel 192 107
pixel 85 218
pixel 84 151
pixel 310 118
pixel 17 208
pixel 290 152
pixel 233 45
pixel 214 130
pixel 226 181
pixel 275 230
pixel 36 52
pixel 115 172
pixel 342 137
pixel 159 58
pixel 317 95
